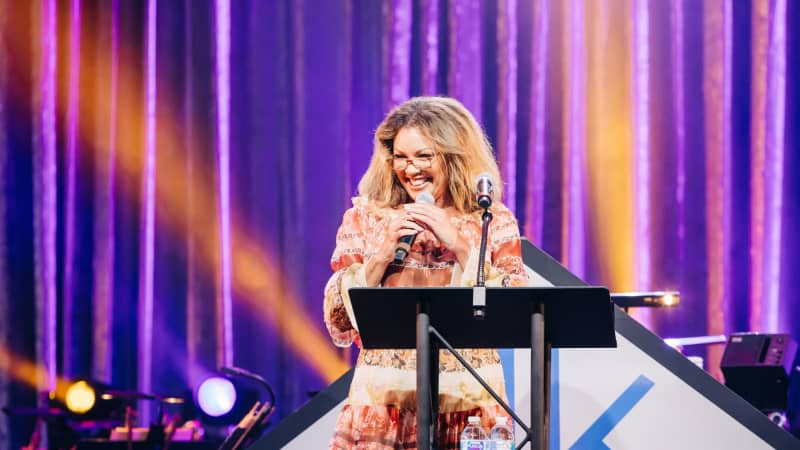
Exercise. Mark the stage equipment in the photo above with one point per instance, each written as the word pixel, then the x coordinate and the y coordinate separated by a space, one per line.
pixel 779 418
pixel 656 299
pixel 80 397
pixel 225 400
pixel 483 195
pixel 100 414
pixel 172 435
pixel 50 422
pixel 484 190
pixel 87 400
pixel 757 367
pixel 253 424
pixel 216 396
pixel 515 318
pixel 679 343
pixel 259 380
pixel 249 428
pixel 156 430
pixel 237 398
pixel 405 243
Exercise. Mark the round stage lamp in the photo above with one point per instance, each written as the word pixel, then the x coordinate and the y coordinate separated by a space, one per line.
pixel 80 397
pixel 216 396
pixel 85 399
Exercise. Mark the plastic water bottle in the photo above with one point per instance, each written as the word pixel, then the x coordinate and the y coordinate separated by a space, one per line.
pixel 473 437
pixel 501 436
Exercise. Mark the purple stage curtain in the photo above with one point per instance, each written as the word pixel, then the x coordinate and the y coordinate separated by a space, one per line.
pixel 173 172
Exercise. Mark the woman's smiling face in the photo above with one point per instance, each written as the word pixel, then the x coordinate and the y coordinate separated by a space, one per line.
pixel 412 150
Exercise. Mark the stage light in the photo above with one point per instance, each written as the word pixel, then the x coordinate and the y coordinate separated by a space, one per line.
pixel 679 343
pixel 216 396
pixel 670 299
pixel 85 399
pixel 656 299
pixel 234 396
pixel 80 397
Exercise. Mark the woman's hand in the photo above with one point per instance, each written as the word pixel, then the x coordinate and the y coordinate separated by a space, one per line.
pixel 438 221
pixel 397 227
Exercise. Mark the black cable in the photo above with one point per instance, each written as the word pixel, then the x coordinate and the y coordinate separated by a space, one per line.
pixel 237 371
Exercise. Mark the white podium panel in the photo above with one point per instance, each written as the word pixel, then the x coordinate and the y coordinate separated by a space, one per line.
pixel 623 399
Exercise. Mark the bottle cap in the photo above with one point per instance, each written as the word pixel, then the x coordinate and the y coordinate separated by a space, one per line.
pixel 473 419
pixel 502 420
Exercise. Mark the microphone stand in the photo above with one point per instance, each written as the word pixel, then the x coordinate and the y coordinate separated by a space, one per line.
pixel 238 371
pixel 479 290
pixel 254 422
pixel 478 312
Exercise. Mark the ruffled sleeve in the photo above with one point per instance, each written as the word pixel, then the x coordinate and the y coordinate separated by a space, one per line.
pixel 504 266
pixel 347 263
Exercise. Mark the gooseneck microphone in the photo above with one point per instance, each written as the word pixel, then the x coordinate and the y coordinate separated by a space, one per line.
pixel 405 242
pixel 483 195
pixel 484 190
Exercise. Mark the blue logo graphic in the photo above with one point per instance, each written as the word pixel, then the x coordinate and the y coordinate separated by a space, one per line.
pixel 593 437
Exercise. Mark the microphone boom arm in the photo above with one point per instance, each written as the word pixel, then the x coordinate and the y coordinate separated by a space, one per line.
pixel 479 290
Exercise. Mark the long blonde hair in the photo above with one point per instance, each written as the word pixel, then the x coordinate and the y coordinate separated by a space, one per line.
pixel 454 134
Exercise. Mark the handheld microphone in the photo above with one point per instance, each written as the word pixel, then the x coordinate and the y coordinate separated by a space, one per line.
pixel 405 242
pixel 484 190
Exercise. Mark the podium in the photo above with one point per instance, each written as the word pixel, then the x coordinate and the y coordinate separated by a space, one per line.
pixel 538 318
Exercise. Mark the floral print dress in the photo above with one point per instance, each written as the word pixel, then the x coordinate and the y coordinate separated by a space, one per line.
pixel 380 412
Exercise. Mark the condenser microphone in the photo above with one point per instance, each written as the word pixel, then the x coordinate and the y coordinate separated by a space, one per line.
pixel 405 242
pixel 484 190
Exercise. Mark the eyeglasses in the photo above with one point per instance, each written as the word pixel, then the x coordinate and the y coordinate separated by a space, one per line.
pixel 400 162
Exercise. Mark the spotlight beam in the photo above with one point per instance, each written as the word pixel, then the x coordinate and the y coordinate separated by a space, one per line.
pixel 255 273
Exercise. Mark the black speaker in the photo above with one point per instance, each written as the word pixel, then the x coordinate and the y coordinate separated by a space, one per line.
pixel 757 366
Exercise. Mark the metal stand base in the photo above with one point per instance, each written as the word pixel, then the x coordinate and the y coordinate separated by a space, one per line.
pixel 428 381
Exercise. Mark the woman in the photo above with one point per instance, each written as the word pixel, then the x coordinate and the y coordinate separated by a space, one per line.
pixel 433 145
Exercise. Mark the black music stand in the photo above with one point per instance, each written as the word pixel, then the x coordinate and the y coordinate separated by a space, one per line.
pixel 537 318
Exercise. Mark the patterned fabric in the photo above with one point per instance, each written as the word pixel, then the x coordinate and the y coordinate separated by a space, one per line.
pixel 380 410
pixel 389 427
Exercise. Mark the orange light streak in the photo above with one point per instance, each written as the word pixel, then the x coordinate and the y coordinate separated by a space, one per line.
pixel 256 275
pixel 610 144
pixel 28 373
pixel 714 62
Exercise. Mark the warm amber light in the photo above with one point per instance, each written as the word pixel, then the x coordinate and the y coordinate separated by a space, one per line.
pixel 255 270
pixel 80 397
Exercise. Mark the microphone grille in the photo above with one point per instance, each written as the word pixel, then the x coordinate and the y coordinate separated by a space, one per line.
pixel 425 197
pixel 484 176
